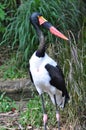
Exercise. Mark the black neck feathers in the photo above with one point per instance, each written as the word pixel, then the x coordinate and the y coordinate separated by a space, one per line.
pixel 41 48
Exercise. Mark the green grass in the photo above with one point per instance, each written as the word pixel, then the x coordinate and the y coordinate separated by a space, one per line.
pixel 6 104
pixel 11 69
pixel 33 115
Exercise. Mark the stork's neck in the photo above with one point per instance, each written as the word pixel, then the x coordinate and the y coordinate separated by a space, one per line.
pixel 41 48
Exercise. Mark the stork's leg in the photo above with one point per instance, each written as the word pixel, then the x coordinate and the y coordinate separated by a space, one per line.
pixel 44 113
pixel 57 113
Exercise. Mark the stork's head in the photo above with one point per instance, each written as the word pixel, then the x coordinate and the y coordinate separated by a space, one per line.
pixel 34 18
pixel 37 20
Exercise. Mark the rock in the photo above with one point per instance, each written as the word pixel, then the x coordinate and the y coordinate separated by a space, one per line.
pixel 16 85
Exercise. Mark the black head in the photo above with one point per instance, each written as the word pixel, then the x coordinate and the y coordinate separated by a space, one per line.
pixel 34 18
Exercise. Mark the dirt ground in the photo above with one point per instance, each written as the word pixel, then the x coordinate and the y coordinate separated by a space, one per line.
pixel 10 121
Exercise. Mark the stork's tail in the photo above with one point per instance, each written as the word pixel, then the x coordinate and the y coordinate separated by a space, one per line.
pixel 61 100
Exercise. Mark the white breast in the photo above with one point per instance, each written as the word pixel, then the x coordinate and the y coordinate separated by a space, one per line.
pixel 40 75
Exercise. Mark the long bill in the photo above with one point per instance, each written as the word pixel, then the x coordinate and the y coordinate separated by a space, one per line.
pixel 52 29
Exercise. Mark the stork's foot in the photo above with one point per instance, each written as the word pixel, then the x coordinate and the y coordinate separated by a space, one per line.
pixel 45 121
pixel 57 116
pixel 45 118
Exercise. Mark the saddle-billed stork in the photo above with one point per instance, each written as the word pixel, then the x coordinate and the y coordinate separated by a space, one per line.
pixel 45 73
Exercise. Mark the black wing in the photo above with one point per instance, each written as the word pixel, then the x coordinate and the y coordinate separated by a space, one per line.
pixel 57 78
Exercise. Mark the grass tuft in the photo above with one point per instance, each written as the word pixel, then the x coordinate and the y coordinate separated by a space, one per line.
pixel 6 104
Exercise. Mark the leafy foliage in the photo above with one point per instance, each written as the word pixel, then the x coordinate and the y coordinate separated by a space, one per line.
pixel 7 11
pixel 2 18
